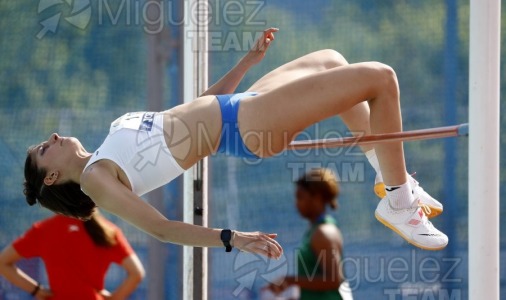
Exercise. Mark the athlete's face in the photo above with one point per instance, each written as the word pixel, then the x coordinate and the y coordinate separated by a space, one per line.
pixel 310 206
pixel 56 154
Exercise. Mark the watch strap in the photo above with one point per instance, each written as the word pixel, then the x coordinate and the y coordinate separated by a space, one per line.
pixel 226 237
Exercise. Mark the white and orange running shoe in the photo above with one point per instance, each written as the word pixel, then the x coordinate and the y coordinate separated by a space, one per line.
pixel 412 225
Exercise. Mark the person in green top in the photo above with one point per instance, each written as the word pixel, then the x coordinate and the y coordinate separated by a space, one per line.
pixel 319 273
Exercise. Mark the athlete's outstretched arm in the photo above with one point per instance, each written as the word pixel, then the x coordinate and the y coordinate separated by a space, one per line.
pixel 228 83
pixel 108 193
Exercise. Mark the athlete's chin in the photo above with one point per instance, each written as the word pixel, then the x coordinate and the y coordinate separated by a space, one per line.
pixel 72 141
pixel 75 146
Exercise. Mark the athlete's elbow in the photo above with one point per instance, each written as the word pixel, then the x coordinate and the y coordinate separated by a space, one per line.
pixel 138 275
pixel 5 266
pixel 161 236
pixel 164 232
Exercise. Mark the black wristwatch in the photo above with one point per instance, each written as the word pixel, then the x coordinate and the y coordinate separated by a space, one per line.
pixel 226 237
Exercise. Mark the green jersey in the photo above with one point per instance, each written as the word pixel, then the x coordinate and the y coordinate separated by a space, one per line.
pixel 308 264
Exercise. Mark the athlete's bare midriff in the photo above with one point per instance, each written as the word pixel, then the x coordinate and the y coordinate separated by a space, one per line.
pixel 193 130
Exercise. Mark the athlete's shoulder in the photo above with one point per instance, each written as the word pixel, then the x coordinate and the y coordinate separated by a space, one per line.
pixel 327 232
pixel 95 176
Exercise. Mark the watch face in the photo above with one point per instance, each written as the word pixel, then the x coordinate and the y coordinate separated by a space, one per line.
pixel 226 235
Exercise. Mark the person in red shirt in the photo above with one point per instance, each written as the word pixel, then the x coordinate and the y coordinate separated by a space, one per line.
pixel 77 255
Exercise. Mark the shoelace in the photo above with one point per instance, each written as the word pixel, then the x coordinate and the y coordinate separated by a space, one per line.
pixel 425 208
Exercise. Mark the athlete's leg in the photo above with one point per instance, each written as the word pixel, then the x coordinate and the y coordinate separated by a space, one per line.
pixel 355 118
pixel 270 121
pixel 303 66
pixel 283 112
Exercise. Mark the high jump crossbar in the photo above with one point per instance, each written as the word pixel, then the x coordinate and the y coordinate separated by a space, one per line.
pixel 412 135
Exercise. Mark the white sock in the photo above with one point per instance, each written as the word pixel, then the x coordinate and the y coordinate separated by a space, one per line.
pixel 411 180
pixel 400 196
pixel 373 160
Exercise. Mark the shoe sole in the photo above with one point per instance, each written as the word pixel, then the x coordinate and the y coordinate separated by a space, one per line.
pixel 384 222
pixel 379 190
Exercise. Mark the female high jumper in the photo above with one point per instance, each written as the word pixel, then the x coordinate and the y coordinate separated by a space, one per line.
pixel 146 150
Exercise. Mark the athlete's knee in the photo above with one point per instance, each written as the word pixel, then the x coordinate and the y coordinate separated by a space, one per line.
pixel 390 81
pixel 385 79
pixel 330 58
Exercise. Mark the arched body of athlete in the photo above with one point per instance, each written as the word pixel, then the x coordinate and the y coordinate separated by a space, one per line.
pixel 270 115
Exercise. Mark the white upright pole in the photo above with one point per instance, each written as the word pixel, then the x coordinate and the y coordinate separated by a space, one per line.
pixel 188 95
pixel 195 208
pixel 200 263
pixel 484 59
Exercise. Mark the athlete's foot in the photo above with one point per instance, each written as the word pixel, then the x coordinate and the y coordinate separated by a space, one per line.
pixel 411 224
pixel 435 207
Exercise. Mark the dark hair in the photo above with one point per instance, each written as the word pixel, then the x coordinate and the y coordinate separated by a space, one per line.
pixel 321 182
pixel 102 234
pixel 66 198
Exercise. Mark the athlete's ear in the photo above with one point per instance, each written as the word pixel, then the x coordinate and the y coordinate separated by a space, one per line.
pixel 51 178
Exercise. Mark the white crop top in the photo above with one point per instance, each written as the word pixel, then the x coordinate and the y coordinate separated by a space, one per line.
pixel 137 145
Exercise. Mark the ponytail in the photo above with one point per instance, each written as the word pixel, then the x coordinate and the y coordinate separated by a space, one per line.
pixel 100 231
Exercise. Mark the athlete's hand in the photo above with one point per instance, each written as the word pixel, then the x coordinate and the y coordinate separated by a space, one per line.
pixel 43 294
pixel 257 242
pixel 257 52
